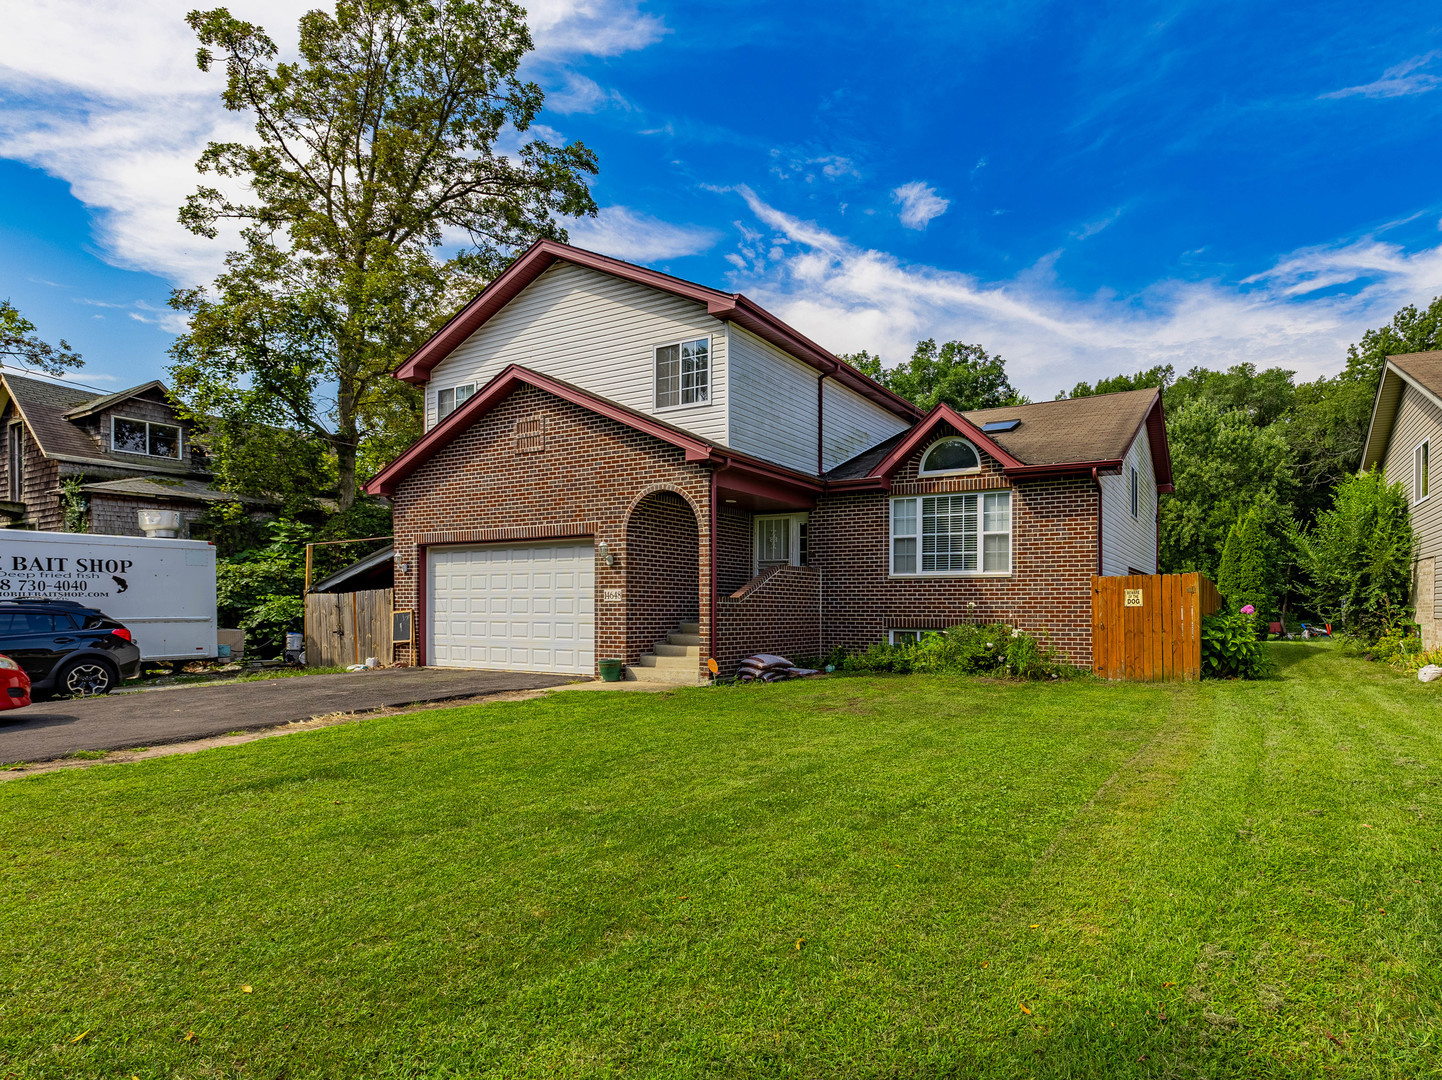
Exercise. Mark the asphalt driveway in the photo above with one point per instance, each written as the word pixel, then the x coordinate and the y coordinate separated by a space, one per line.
pixel 53 729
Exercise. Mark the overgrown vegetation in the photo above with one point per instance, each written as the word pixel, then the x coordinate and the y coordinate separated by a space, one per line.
pixel 993 649
pixel 1232 646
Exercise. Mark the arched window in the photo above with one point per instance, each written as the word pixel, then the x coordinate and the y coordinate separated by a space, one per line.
pixel 950 456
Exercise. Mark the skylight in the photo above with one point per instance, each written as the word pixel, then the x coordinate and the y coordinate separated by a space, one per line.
pixel 993 426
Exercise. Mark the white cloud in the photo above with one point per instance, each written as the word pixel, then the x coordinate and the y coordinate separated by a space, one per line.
pixel 578 94
pixel 1399 80
pixel 850 298
pixel 919 204
pixel 1091 228
pixel 628 234
pixel 105 95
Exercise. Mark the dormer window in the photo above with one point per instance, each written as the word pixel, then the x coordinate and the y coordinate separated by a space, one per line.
pixel 129 436
pixel 683 373
pixel 948 456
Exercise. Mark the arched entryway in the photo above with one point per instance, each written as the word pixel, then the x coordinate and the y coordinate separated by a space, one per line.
pixel 663 570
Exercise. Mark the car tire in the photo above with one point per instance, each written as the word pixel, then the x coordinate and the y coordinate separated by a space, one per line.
pixel 87 678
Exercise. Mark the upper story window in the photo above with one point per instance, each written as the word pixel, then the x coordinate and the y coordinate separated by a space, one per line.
pixel 1421 481
pixel 951 534
pixel 953 455
pixel 129 436
pixel 683 373
pixel 1136 492
pixel 452 398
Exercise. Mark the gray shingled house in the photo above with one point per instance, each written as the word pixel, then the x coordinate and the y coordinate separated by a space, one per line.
pixel 131 450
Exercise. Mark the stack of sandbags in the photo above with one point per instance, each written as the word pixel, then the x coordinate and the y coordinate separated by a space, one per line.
pixel 767 667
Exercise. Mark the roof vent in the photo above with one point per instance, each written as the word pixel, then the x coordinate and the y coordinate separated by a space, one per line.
pixel 994 426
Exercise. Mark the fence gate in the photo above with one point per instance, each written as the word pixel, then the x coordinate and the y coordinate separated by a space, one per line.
pixel 1148 627
pixel 344 628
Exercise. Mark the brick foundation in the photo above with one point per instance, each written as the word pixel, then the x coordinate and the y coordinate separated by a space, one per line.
pixel 777 612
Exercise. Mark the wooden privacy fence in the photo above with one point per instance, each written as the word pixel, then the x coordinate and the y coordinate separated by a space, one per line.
pixel 1148 627
pixel 344 628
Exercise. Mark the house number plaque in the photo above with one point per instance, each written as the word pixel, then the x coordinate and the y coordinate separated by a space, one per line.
pixel 1134 598
pixel 611 596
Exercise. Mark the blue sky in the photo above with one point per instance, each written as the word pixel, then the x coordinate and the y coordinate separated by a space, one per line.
pixel 1085 189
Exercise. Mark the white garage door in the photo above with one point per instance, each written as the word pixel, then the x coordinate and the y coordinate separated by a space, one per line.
pixel 519 607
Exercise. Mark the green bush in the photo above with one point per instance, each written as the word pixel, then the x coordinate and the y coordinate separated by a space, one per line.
pixel 1246 574
pixel 1359 556
pixel 1231 648
pixel 994 649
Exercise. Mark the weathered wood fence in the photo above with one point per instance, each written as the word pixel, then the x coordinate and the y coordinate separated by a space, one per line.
pixel 1148 627
pixel 344 628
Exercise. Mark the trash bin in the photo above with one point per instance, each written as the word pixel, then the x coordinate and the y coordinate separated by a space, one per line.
pixel 610 670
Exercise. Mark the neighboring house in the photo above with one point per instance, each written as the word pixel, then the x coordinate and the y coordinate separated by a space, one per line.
pixel 131 450
pixel 1406 427
pixel 618 463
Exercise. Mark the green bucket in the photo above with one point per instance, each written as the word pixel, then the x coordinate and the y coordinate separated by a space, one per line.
pixel 610 670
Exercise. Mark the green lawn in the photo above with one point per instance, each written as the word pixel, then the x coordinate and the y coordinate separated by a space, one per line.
pixel 851 877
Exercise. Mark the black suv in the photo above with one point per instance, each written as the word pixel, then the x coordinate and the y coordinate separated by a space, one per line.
pixel 65 647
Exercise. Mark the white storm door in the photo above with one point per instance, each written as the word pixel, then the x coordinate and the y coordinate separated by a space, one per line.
pixel 516 607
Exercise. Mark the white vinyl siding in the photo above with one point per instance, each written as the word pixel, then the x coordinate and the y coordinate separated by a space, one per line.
pixel 1130 540
pixel 1418 419
pixel 851 424
pixel 950 535
pixel 773 402
pixel 600 333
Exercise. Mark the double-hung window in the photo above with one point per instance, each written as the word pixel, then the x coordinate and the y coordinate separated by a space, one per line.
pixel 951 534
pixel 1421 486
pixel 452 398
pixel 780 541
pixel 683 373
pixel 143 437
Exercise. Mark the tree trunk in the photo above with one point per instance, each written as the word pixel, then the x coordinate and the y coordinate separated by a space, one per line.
pixel 345 452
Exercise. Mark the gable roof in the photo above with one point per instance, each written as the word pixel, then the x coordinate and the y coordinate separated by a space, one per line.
pixel 1423 372
pixel 514 376
pixel 727 307
pixel 1054 438
pixel 103 402
pixel 373 565
pixel 50 411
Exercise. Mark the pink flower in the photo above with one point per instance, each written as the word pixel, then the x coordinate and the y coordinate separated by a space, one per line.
pixel 1247 609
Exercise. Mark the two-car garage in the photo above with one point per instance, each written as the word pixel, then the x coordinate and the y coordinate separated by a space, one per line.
pixel 513 606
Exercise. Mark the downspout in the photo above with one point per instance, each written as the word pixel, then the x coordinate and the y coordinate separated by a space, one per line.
pixel 715 556
pixel 1097 480
pixel 820 444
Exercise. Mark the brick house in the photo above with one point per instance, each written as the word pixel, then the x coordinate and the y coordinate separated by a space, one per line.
pixel 131 450
pixel 618 463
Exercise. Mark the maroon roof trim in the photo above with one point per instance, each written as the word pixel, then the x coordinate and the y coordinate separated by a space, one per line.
pixel 727 307
pixel 453 426
pixel 942 413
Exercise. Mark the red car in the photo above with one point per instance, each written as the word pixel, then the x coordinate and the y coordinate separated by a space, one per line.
pixel 14 685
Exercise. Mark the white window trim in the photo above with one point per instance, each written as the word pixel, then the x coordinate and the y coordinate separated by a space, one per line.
pixel 922 470
pixel 793 548
pixel 1136 492
pixel 980 538
pixel 179 438
pixel 1417 472
pixel 920 633
pixel 458 387
pixel 656 407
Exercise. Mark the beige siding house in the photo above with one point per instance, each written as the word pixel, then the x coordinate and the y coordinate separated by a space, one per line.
pixel 1405 433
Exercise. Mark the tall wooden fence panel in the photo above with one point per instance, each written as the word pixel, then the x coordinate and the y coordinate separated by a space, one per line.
pixel 345 628
pixel 1148 627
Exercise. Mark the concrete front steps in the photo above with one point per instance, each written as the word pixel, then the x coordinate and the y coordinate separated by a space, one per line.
pixel 675 660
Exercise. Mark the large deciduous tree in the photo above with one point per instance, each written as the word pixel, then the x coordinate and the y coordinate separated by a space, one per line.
pixel 400 129
pixel 22 347
pixel 963 376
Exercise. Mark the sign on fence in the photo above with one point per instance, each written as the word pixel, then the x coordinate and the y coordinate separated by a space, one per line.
pixel 1148 627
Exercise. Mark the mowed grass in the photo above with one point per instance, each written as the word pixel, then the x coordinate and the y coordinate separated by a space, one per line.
pixel 915 877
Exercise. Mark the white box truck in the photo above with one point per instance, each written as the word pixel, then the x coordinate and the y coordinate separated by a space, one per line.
pixel 162 590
